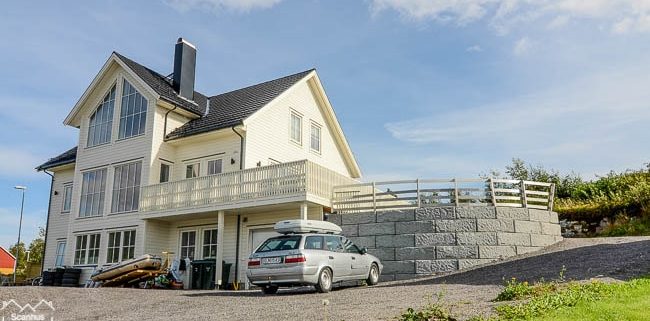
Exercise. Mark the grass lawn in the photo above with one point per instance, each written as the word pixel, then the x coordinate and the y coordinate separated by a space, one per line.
pixel 629 301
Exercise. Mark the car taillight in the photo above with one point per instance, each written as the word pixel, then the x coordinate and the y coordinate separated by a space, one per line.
pixel 294 259
pixel 253 262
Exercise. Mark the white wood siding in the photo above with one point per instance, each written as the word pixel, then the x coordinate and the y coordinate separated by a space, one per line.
pixel 58 222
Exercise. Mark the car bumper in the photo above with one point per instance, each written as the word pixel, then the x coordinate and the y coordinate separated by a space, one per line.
pixel 294 275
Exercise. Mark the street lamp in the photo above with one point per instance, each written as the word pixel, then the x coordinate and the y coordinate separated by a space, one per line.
pixel 20 226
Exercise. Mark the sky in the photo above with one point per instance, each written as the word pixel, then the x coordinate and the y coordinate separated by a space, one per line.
pixel 429 89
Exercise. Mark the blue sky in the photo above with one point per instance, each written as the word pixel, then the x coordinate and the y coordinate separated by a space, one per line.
pixel 422 88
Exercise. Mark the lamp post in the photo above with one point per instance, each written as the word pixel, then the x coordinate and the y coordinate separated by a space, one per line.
pixel 20 226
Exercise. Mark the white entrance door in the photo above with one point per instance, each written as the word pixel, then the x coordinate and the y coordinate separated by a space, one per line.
pixel 258 236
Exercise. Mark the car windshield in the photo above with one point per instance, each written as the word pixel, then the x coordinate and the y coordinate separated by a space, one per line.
pixel 281 243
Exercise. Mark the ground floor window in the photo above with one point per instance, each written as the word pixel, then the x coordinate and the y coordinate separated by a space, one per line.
pixel 60 253
pixel 210 244
pixel 188 244
pixel 87 249
pixel 121 246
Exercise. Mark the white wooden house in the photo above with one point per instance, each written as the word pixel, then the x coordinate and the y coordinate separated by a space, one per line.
pixel 161 167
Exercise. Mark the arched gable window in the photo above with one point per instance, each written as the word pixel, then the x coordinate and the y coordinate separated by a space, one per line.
pixel 101 121
pixel 133 114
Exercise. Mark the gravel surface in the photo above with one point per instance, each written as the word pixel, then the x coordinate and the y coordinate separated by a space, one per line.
pixel 468 293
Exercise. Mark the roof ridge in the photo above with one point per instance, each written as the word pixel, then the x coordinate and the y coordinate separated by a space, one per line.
pixel 264 82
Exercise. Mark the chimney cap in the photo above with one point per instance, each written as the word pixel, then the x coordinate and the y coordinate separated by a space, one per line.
pixel 181 40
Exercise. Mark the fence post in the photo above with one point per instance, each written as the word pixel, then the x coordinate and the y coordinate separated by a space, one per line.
pixel 417 188
pixel 493 193
pixel 455 191
pixel 524 202
pixel 551 197
pixel 374 197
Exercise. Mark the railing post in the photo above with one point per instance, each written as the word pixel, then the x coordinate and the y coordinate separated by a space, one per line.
pixel 524 202
pixel 493 193
pixel 374 197
pixel 417 188
pixel 456 192
pixel 551 197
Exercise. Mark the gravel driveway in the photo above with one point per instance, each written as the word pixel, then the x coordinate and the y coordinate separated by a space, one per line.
pixel 467 292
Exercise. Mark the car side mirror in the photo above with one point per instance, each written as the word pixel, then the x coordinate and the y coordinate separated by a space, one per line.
pixel 364 250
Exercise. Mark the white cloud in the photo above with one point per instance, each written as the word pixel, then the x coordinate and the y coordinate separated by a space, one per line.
pixel 220 5
pixel 474 48
pixel 502 15
pixel 522 46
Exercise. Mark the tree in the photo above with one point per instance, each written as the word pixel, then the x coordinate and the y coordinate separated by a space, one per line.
pixel 564 184
pixel 35 249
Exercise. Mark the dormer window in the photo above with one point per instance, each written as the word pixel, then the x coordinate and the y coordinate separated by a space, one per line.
pixel 101 121
pixel 133 114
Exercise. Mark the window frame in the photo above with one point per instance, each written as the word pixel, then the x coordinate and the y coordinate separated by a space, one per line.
pixel 204 244
pixel 182 247
pixel 85 192
pixel 198 169
pixel 169 171
pixel 315 125
pixel 114 248
pixel 82 251
pixel 59 258
pixel 109 123
pixel 220 159
pixel 298 116
pixel 134 188
pixel 67 198
pixel 124 109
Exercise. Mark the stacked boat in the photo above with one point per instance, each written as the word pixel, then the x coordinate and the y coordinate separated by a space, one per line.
pixel 129 272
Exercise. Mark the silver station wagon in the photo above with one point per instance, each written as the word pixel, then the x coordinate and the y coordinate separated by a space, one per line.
pixel 314 259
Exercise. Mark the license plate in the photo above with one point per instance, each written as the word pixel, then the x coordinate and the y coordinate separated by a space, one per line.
pixel 272 260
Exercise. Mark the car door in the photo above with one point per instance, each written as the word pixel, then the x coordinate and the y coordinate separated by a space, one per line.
pixel 358 263
pixel 338 259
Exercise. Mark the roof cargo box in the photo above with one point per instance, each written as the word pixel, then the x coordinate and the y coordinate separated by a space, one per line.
pixel 306 226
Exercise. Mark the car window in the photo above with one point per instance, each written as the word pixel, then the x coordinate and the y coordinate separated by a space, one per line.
pixel 351 247
pixel 333 243
pixel 314 243
pixel 281 243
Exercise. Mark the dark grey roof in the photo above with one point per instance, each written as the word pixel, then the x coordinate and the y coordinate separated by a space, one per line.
pixel 231 108
pixel 163 86
pixel 66 158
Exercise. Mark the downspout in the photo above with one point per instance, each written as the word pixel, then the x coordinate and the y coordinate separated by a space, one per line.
pixel 241 167
pixel 165 126
pixel 47 222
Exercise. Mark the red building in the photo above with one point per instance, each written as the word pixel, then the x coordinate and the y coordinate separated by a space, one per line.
pixel 7 261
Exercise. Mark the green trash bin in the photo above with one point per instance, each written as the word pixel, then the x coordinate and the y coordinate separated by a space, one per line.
pixel 203 274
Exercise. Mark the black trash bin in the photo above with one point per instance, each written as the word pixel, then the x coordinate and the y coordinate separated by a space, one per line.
pixel 203 274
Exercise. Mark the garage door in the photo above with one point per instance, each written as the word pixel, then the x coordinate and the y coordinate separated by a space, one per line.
pixel 258 236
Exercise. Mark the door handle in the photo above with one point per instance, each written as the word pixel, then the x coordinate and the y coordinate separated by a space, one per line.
pixel 331 257
pixel 354 258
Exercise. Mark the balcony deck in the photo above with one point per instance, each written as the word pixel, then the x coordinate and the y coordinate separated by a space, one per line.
pixel 297 181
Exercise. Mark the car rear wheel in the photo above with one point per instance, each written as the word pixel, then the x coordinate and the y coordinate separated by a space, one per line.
pixel 373 276
pixel 269 289
pixel 324 284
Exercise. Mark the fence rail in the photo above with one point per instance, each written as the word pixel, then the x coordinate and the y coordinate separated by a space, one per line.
pixel 406 194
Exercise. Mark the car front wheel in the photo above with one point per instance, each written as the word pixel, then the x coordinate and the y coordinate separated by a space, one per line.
pixel 269 289
pixel 324 284
pixel 373 276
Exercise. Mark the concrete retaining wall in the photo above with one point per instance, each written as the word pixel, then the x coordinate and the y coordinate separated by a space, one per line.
pixel 425 241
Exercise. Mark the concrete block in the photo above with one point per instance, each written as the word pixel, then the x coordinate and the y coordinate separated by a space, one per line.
pixel 415 227
pixel 527 249
pixel 539 215
pixel 477 238
pixel 395 267
pixel 457 252
pixel 528 227
pixel 513 239
pixel 408 276
pixel 433 239
pixel 514 213
pixel 553 218
pixel 559 238
pixel 496 252
pixel 490 225
pixel 386 277
pixel 377 229
pixel 458 225
pixel 435 213
pixel 403 240
pixel 358 218
pixel 384 253
pixel 334 218
pixel 350 230
pixel 435 266
pixel 415 253
pixel 541 240
pixel 396 216
pixel 468 263
pixel 476 212
pixel 551 229
pixel 363 241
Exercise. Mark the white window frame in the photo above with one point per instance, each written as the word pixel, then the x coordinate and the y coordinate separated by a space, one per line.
pixel 209 244
pixel 130 191
pixel 315 125
pixel 93 139
pixel 86 194
pixel 67 198
pixel 125 116
pixel 125 251
pixel 181 246
pixel 291 128
pixel 169 174
pixel 197 171
pixel 82 255
pixel 60 253
pixel 220 159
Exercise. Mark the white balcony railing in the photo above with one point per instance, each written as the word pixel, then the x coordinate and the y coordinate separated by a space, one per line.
pixel 279 181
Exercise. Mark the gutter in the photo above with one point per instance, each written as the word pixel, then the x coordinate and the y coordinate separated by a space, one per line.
pixel 165 126
pixel 241 146
pixel 47 222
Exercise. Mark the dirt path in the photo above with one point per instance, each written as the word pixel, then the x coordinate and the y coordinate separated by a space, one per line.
pixel 468 292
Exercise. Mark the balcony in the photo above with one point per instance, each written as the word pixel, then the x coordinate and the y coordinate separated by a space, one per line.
pixel 297 181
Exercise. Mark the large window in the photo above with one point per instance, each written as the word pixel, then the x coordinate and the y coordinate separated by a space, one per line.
pixel 86 249
pixel 188 244
pixel 126 187
pixel 92 193
pixel 296 128
pixel 209 243
pixel 60 253
pixel 67 198
pixel 215 166
pixel 133 114
pixel 101 121
pixel 121 246
pixel 315 137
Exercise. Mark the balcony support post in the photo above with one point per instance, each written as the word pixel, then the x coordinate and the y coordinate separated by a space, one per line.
pixel 219 260
pixel 303 211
